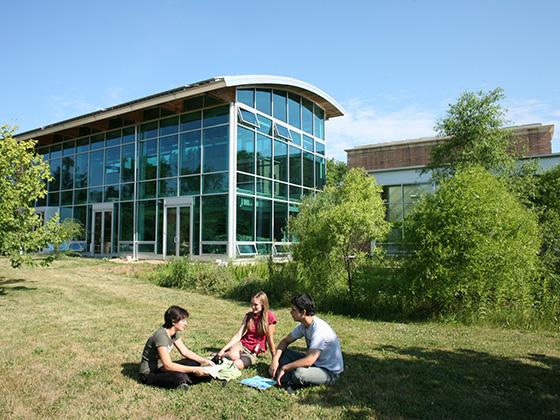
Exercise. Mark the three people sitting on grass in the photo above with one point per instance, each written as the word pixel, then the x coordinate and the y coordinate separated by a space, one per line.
pixel 321 364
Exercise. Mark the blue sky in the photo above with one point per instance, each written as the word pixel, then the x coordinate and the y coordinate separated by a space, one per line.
pixel 394 65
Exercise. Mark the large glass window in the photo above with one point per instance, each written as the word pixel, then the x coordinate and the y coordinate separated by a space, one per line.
pixel 215 116
pixel 320 172
pixel 214 218
pixel 96 168
pixel 169 126
pixel 280 221
pixel 147 221
pixel 246 96
pixel 279 105
pixel 126 221
pixel 190 152
pixel 82 145
pixel 167 187
pixel 307 115
pixel 265 125
pixel 54 184
pixel 190 185
pixel 264 187
pixel 147 189
pixel 280 161
pixel 264 220
pixel 113 138
pixel 264 101
pixel 215 183
pixel 191 121
pixel 112 165
pixel 127 163
pixel 148 130
pixel 295 165
pixel 245 183
pixel 245 150
pixel 67 173
pixel 216 149
pixel 168 156
pixel 148 159
pixel 97 142
pixel 264 156
pixel 294 110
pixel 111 193
pixel 245 219
pixel 81 170
pixel 307 143
pixel 308 170
pixel 319 117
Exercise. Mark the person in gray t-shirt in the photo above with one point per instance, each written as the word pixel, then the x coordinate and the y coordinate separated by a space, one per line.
pixel 321 364
pixel 156 366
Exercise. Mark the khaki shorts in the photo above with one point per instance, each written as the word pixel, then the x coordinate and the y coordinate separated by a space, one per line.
pixel 247 357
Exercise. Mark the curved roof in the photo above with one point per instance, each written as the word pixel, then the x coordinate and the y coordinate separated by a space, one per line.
pixel 331 107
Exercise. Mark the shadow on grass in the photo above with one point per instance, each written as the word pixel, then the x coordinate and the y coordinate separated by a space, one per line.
pixel 130 370
pixel 416 382
pixel 5 285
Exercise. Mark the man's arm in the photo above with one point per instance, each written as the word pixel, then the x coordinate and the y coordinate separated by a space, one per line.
pixel 170 366
pixel 310 357
pixel 283 345
pixel 189 354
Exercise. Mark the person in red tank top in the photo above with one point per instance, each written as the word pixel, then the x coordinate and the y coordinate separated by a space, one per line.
pixel 255 335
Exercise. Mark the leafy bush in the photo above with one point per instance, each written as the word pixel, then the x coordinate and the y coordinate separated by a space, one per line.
pixel 334 229
pixel 474 250
pixel 546 201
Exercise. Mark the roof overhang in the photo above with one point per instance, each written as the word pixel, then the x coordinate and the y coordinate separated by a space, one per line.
pixel 331 107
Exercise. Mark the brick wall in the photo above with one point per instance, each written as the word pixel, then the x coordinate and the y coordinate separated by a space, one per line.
pixel 530 140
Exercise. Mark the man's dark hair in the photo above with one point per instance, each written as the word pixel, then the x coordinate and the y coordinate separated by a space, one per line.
pixel 174 314
pixel 304 302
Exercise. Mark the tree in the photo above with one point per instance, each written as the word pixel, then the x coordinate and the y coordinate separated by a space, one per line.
pixel 473 248
pixel 475 127
pixel 23 177
pixel 335 228
pixel 335 171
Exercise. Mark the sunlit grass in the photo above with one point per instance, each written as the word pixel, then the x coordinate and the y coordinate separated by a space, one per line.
pixel 72 336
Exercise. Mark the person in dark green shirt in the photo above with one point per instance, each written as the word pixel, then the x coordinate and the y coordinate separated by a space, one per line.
pixel 157 368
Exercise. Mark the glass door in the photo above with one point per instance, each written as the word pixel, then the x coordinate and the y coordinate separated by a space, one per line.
pixel 102 232
pixel 177 231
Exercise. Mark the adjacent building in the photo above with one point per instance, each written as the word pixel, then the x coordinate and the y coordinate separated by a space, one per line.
pixel 214 168
pixel 399 167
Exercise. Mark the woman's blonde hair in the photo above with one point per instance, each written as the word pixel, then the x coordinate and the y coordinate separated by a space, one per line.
pixel 262 328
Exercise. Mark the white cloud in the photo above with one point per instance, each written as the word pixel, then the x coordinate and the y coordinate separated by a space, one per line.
pixel 365 124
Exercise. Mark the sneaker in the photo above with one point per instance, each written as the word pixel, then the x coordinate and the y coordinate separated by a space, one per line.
pixel 183 387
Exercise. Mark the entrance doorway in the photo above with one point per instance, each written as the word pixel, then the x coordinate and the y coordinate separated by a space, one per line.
pixel 102 229
pixel 177 231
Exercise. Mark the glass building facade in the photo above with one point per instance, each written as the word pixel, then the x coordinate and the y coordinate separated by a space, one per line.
pixel 211 175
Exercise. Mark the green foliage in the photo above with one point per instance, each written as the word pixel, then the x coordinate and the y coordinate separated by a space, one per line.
pixel 23 176
pixel 475 127
pixel 546 201
pixel 334 229
pixel 336 171
pixel 474 249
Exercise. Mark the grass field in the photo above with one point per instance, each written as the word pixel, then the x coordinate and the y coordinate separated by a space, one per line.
pixel 72 334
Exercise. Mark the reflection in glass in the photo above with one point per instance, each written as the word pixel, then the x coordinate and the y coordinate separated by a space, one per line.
pixel 245 219
pixel 245 150
pixel 190 152
pixel 215 144
pixel 214 218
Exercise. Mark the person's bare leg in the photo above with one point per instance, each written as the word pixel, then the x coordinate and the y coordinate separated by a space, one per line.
pixel 234 353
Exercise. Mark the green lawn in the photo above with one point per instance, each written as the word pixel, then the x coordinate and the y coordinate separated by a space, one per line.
pixel 72 334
